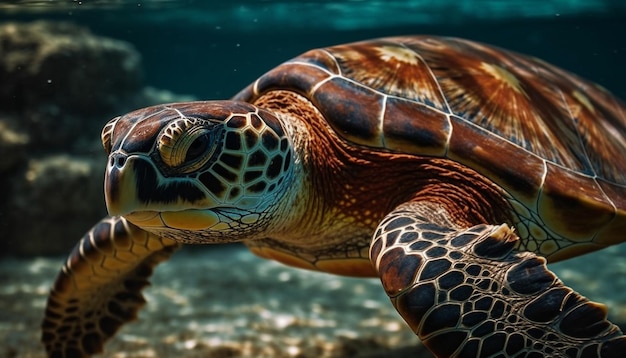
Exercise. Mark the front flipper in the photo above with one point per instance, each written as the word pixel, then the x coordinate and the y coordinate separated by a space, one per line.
pixel 469 293
pixel 99 287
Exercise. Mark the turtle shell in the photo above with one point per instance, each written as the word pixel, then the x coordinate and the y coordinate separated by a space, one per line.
pixel 553 141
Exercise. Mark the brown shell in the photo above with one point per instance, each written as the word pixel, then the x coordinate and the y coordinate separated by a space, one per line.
pixel 555 142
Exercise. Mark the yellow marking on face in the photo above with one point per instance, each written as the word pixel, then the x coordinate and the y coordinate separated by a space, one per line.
pixel 503 76
pixel 190 219
pixel 400 54
pixel 145 218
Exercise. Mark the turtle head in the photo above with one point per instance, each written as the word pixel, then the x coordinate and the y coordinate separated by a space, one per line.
pixel 211 171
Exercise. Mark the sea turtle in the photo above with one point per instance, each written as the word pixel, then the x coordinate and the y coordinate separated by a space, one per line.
pixel 448 168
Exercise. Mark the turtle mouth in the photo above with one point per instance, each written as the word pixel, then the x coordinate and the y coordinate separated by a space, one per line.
pixel 213 219
pixel 189 219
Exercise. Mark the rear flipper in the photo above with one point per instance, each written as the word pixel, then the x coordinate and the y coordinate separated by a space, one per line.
pixel 99 287
pixel 469 293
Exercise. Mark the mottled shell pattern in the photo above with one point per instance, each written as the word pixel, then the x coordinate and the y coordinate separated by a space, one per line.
pixel 554 142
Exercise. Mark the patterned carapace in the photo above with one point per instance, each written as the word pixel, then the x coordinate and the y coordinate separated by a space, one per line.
pixel 553 141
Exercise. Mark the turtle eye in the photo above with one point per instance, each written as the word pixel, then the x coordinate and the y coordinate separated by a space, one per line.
pixel 186 146
pixel 198 147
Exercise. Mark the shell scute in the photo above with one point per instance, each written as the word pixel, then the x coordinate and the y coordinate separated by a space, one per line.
pixel 391 68
pixel 356 117
pixel 492 157
pixel 318 58
pixel 552 140
pixel 601 134
pixel 292 75
pixel 415 128
pixel 500 92
pixel 599 120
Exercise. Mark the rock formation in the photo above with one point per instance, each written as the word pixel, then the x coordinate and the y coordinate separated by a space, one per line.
pixel 59 84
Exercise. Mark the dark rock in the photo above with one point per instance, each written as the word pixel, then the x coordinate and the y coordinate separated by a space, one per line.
pixel 56 200
pixel 59 84
pixel 58 76
pixel 13 143
pixel 58 62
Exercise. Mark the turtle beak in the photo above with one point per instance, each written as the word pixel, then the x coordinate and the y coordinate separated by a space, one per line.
pixel 120 184
pixel 133 184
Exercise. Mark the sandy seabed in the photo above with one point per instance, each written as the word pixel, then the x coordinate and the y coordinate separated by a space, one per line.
pixel 225 302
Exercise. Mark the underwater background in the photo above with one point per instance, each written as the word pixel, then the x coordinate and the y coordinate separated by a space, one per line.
pixel 67 67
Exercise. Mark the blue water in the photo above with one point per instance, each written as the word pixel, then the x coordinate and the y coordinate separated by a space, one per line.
pixel 211 49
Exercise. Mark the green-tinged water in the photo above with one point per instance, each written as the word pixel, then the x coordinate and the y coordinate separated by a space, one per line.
pixel 212 49
pixel 215 301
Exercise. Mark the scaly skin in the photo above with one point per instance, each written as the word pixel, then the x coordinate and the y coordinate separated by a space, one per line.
pixel 99 287
pixel 471 294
